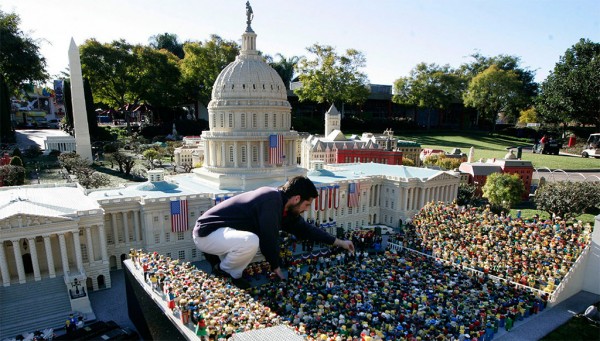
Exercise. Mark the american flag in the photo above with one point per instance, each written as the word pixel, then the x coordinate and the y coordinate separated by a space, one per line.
pixel 179 216
pixel 276 149
pixel 353 194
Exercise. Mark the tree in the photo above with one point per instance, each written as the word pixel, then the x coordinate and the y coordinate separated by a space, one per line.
pixel 159 77
pixel 124 75
pixel 506 63
pixel 285 67
pixel 92 119
pixel 169 42
pixel 124 162
pixel 430 87
pixel 572 90
pixel 68 106
pixel 202 64
pixel 7 134
pixel 494 91
pixel 503 190
pixel 466 194
pixel 566 198
pixel 150 155
pixel 71 161
pixel 90 178
pixel 187 167
pixel 108 67
pixel 20 60
pixel 330 78
pixel 528 116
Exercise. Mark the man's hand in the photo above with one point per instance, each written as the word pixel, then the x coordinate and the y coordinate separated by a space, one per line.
pixel 279 273
pixel 346 244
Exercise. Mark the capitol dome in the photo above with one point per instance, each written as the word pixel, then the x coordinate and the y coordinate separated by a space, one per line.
pixel 249 86
pixel 248 77
pixel 249 142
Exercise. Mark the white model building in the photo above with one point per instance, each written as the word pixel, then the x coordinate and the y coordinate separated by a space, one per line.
pixel 64 230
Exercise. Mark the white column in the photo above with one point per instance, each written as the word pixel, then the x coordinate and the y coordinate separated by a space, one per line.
pixel 404 199
pixel 213 153
pixel 19 260
pixel 4 266
pixel 125 226
pixel 34 259
pixel 261 154
pixel 63 254
pixel 421 198
pixel 102 233
pixel 235 154
pixel 89 244
pixel 248 155
pixel 49 256
pixel 223 155
pixel 206 152
pixel 77 244
pixel 136 226
pixel 113 217
pixel 290 158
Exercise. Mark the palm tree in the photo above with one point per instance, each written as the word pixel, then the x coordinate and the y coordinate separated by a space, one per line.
pixel 285 67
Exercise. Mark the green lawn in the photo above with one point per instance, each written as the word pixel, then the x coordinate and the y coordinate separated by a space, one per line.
pixel 576 329
pixel 495 146
pixel 527 213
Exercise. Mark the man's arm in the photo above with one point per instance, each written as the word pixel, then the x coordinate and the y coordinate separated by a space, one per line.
pixel 345 244
pixel 305 230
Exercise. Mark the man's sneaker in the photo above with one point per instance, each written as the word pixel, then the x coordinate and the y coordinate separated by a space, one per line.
pixel 241 283
pixel 216 270
pixel 213 260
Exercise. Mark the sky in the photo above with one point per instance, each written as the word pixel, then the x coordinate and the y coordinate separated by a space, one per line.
pixel 394 35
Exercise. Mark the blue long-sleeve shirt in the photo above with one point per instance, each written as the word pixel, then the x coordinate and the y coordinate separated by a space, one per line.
pixel 261 212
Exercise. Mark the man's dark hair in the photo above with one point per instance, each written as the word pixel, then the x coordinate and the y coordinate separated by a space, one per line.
pixel 301 186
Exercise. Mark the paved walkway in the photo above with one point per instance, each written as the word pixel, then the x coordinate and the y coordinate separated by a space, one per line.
pixel 111 304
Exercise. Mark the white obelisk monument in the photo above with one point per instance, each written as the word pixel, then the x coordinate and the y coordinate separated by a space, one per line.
pixel 471 155
pixel 83 145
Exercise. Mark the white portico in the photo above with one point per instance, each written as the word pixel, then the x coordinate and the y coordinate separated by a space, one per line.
pixel 48 231
pixel 249 106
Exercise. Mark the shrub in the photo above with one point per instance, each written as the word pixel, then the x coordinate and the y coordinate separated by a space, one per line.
pixel 54 153
pixel 11 175
pixel 111 147
pixel 16 161
pixel 503 190
pixel 466 194
pixel 33 151
pixel 566 198
pixel 407 162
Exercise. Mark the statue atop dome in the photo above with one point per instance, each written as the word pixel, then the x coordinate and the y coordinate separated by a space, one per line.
pixel 249 14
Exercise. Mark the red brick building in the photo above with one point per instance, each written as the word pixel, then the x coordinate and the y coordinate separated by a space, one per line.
pixel 369 155
pixel 479 171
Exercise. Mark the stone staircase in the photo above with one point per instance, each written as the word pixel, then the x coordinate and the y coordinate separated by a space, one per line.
pixel 33 306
